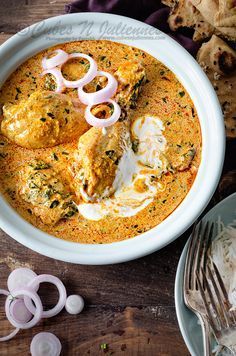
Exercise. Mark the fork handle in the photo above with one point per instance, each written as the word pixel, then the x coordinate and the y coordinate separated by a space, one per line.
pixel 206 333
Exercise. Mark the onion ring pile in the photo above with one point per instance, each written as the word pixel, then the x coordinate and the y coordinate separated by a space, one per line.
pixel 24 309
pixel 53 66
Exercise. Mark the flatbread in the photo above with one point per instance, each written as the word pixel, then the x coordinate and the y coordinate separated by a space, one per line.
pixel 226 16
pixel 219 14
pixel 208 9
pixel 218 60
pixel 184 14
pixel 203 29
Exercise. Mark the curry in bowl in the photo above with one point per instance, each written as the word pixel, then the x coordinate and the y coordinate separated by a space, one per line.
pixel 99 141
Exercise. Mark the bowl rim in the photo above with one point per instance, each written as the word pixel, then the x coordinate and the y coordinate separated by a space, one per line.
pixel 18 48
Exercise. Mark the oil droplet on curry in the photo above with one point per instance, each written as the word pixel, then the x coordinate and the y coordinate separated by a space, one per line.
pixel 93 185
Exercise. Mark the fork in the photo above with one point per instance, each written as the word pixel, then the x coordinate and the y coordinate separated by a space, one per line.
pixel 218 309
pixel 195 261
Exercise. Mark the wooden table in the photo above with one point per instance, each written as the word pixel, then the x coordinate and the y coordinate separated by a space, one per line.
pixel 129 307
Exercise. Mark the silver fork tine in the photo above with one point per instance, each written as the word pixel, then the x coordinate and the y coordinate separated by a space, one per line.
pixel 221 303
pixel 200 251
pixel 208 240
pixel 205 302
pixel 204 242
pixel 195 253
pixel 190 257
pixel 220 281
pixel 210 294
pixel 224 292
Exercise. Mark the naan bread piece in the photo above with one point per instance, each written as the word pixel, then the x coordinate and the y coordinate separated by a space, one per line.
pixel 208 9
pixel 169 3
pixel 203 29
pixel 219 62
pixel 226 16
pixel 184 14
pixel 220 15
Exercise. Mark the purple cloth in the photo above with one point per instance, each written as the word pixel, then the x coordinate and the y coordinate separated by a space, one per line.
pixel 150 11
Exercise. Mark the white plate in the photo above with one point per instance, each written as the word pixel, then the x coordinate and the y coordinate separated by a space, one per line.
pixel 89 26
pixel 188 322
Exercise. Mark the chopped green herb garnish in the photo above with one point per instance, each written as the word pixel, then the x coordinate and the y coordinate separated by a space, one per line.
pixel 110 153
pixel 98 87
pixel 135 144
pixel 104 346
pixel 55 156
pixel 181 93
pixel 51 115
pixel 43 119
pixel 3 155
pixel 54 204
pixel 39 165
pixel 18 90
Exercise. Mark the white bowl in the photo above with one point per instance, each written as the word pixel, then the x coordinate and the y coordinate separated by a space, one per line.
pixel 89 26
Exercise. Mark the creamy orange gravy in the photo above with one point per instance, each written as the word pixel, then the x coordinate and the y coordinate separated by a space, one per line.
pixel 163 96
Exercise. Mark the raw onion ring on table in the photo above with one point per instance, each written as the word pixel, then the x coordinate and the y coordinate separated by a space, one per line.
pixel 60 86
pixel 45 343
pixel 59 58
pixel 38 308
pixel 96 122
pixel 46 278
pixel 14 332
pixel 91 73
pixel 19 311
pixel 101 95
pixel 19 278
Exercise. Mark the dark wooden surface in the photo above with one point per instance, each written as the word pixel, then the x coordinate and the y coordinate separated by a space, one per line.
pixel 130 306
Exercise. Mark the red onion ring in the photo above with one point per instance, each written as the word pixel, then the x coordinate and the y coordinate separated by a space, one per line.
pixel 62 295
pixel 38 310
pixel 58 77
pixel 59 58
pixel 94 121
pixel 101 95
pixel 14 332
pixel 19 311
pixel 45 343
pixel 87 77
pixel 19 278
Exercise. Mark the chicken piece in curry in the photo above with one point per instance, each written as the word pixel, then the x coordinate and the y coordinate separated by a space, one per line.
pixel 45 119
pixel 95 166
pixel 90 184
pixel 49 198
pixel 130 76
pixel 94 169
